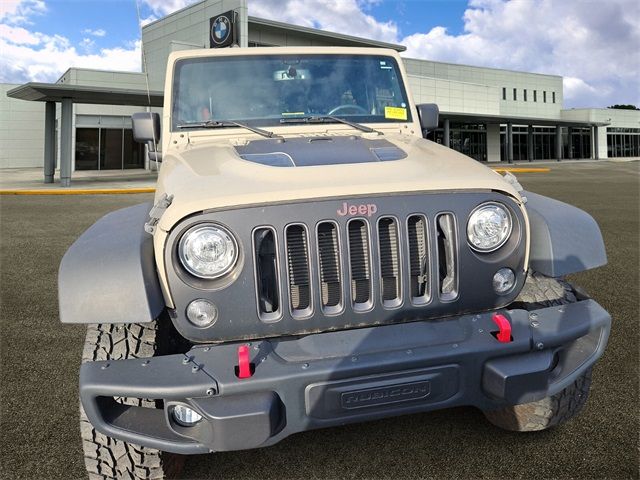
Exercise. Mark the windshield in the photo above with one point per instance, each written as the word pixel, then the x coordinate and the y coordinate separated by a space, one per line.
pixel 265 89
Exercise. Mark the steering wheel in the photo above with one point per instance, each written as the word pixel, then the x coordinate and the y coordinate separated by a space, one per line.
pixel 347 106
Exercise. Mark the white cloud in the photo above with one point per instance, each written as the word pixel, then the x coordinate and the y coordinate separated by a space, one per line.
pixel 341 16
pixel 100 32
pixel 34 56
pixel 18 11
pixel 20 63
pixel 165 7
pixel 87 44
pixel 147 20
pixel 19 35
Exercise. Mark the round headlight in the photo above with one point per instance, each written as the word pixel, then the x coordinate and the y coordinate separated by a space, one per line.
pixel 208 251
pixel 489 227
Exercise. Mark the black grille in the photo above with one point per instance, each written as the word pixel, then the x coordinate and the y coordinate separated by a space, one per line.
pixel 389 260
pixel 329 259
pixel 298 269
pixel 386 262
pixel 267 278
pixel 418 258
pixel 360 264
pixel 447 257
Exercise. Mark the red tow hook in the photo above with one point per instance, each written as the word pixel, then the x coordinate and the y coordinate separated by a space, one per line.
pixel 504 334
pixel 243 370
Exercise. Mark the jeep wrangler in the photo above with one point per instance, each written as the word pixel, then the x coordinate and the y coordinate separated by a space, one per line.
pixel 311 260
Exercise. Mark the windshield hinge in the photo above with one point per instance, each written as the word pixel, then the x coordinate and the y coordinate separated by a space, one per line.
pixel 156 212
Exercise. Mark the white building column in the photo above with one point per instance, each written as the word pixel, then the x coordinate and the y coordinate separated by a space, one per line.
pixel 603 151
pixel 493 142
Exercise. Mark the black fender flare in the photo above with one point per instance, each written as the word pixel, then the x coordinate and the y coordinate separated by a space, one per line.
pixel 109 273
pixel 564 239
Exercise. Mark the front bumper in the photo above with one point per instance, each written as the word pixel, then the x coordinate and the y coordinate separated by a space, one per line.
pixel 343 377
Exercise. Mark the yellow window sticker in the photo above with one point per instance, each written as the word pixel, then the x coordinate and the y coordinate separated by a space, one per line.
pixel 397 113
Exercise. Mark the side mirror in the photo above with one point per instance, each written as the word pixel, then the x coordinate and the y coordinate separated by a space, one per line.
pixel 428 113
pixel 146 129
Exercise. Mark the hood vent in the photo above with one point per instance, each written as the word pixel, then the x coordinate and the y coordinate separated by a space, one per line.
pixel 313 151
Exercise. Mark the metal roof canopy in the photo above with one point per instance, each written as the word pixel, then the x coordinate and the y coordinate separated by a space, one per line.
pixel 514 120
pixel 67 95
pixel 56 92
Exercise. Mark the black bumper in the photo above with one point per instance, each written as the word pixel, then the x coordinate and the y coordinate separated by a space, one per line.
pixel 342 377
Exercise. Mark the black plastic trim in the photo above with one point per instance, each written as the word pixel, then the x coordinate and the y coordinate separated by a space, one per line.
pixel 336 378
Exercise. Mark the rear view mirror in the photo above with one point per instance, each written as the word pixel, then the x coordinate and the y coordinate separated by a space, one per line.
pixel 428 113
pixel 146 129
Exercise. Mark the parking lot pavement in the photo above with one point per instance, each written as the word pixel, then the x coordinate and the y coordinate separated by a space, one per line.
pixel 39 360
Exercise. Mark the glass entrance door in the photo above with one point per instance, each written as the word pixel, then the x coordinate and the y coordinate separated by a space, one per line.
pixel 107 149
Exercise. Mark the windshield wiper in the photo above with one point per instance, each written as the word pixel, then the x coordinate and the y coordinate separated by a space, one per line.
pixel 227 123
pixel 329 119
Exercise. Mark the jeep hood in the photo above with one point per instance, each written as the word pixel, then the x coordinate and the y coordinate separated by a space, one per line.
pixel 216 174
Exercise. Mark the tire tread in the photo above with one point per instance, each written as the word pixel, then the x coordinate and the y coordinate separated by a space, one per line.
pixel 107 458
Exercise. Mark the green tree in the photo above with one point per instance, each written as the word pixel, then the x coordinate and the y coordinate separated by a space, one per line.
pixel 624 107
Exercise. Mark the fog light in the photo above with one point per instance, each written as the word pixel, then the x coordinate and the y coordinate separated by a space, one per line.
pixel 504 280
pixel 202 313
pixel 185 416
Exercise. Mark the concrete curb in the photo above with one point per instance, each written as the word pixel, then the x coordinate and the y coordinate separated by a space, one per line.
pixel 77 191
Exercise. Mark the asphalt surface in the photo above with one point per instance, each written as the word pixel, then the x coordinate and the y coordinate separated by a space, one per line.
pixel 40 359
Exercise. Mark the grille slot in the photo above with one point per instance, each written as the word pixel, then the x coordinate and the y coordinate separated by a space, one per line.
pixel 447 257
pixel 330 272
pixel 299 270
pixel 418 259
pixel 360 265
pixel 267 273
pixel 389 261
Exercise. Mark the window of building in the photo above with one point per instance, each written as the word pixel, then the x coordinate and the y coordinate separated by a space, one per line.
pixel 106 146
pixel 515 94
pixel 470 139
pixel 504 93
pixel 525 94
pixel 623 142
pixel 544 96
pixel 553 96
pixel 535 95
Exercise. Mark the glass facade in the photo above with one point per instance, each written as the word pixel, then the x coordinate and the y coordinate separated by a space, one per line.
pixel 623 142
pixel 467 138
pixel 580 143
pixel 106 143
pixel 544 143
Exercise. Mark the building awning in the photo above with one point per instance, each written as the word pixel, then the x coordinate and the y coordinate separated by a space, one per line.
pixel 516 120
pixel 56 92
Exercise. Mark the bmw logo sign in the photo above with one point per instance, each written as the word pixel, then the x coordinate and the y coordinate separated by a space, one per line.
pixel 220 30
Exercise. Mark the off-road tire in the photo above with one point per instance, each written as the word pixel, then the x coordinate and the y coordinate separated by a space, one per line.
pixel 540 291
pixel 107 458
pixel 545 413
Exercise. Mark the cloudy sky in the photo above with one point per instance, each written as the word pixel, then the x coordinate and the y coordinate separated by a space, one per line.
pixel 594 45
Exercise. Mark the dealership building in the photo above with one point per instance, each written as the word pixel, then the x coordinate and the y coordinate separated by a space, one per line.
pixel 82 121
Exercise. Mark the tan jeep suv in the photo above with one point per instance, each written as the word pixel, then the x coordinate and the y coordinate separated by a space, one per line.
pixel 311 260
